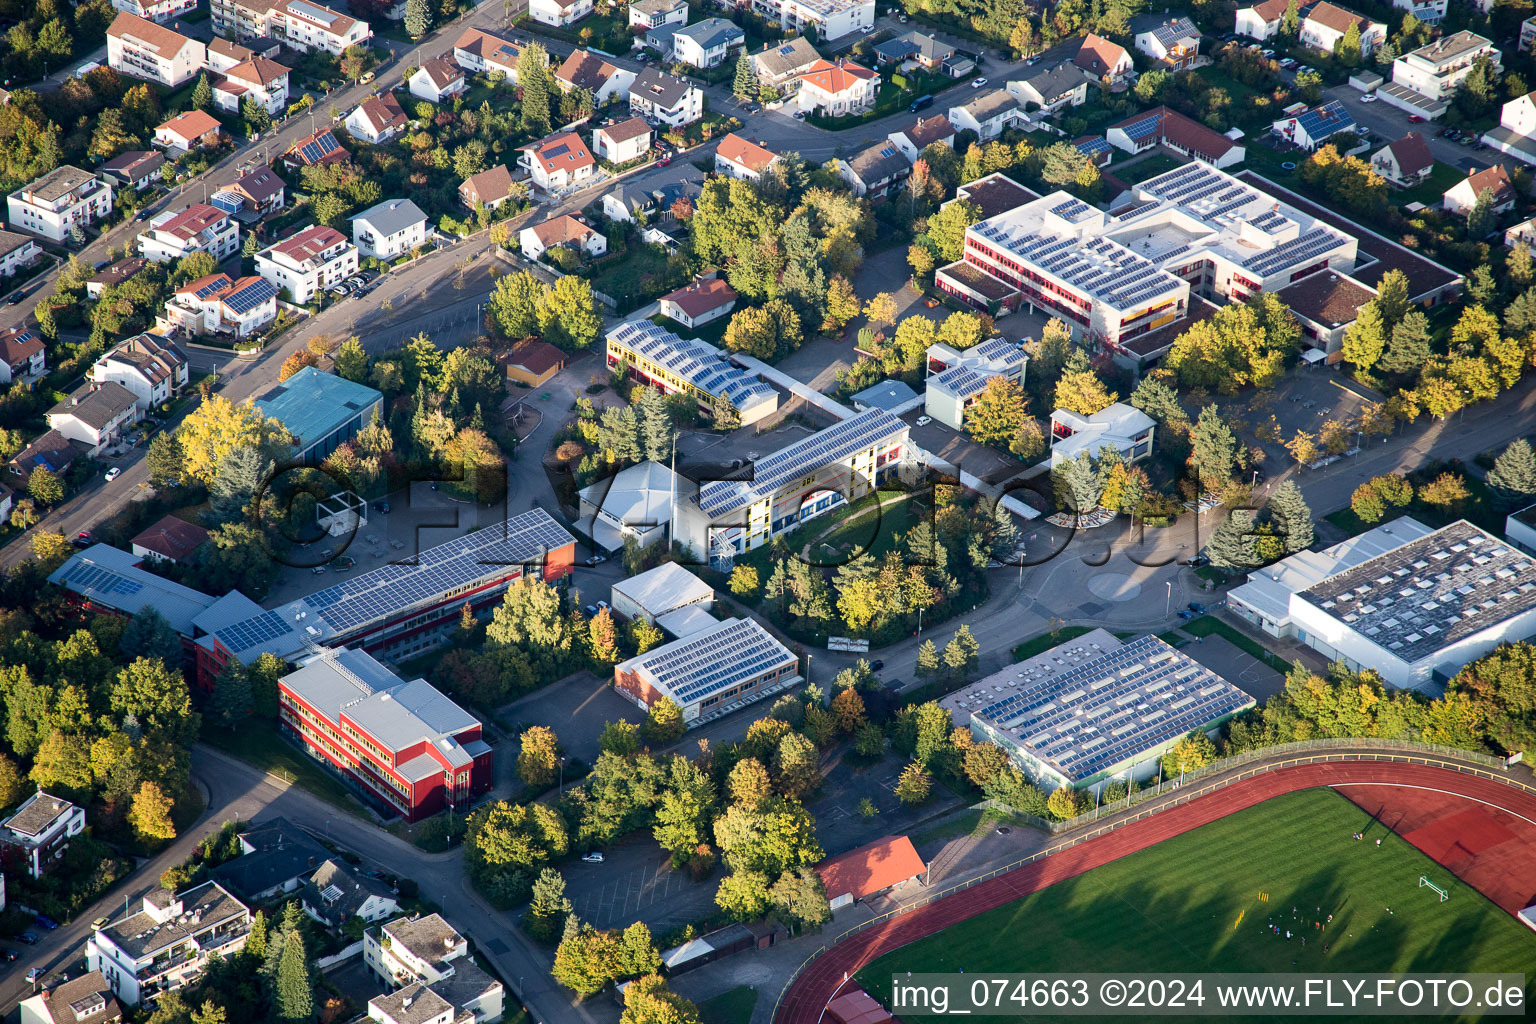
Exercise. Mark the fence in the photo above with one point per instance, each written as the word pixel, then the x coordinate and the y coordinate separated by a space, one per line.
pixel 1311 752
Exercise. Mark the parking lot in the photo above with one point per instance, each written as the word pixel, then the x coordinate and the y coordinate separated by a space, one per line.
pixel 839 824
pixel 636 882
pixel 576 707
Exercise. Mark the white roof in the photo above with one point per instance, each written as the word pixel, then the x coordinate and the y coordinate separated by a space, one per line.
pixel 639 497
pixel 665 588
pixel 687 621
pixel 1115 425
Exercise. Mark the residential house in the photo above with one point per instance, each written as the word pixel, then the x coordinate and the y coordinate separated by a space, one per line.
pixel 23 356
pixel 188 131
pixel 662 99
pixel 1406 162
pixel 1424 80
pixel 173 234
pixel 659 40
pixel 778 66
pixel 1462 196
pixel 1324 25
pixel 60 201
pixel 390 229
pixel 377 119
pixel 218 304
pixel 50 450
pixel 308 263
pixel 170 540
pixel 532 362
pixel 224 54
pixel 258 192
pixel 874 170
pixel 624 202
pixel 1430 12
pixel 150 366
pixel 36 837
pixel 1523 233
pixel 622 142
pixel 988 114
pixel 1125 428
pixel 137 169
pixel 696 304
pixel 564 230
pixel 558 13
pixel 276 857
pixel 160 11
pixel 337 892
pixel 558 162
pixel 140 48
pixel 168 942
pixel 742 158
pixel 113 275
pixel 1050 87
pixel 707 43
pixel 1171 129
pixel 262 81
pixel 828 19
pixel 1102 61
pixel 484 53
pixel 95 415
pixel 1516 133
pixel 315 150
pixel 1527 35
pixel 927 131
pixel 916 48
pixel 1312 128
pixel 1262 21
pixel 837 90
pixel 649 14
pixel 584 69
pixel 302 25
pixel 438 80
pixel 1172 41
pixel 426 958
pixel 7 503
pixel 87 999
pixel 17 252
pixel 492 187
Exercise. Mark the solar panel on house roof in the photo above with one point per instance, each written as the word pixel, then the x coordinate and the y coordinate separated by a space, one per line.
pixel 251 296
pixel 1145 128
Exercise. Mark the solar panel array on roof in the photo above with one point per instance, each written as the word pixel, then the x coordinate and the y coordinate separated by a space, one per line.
pixel 1094 715
pixel 821 449
pixel 250 296
pixel 213 287
pixel 999 349
pixel 701 665
pixel 1325 121
pixel 1299 250
pixel 961 381
pixel 1145 128
pixel 319 148
pixel 694 362
pixel 1093 146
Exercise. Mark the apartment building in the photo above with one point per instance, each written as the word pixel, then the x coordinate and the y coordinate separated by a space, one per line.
pixel 836 90
pixel 653 355
pixel 1431 12
pixel 623 141
pixel 403 745
pixel 428 963
pixel 262 81
pixel 167 943
pixel 1424 81
pixel 308 263
pixel 219 304
pixel 707 43
pixel 1324 26
pixel 799 482
pixel 662 99
pixel 63 199
pixel 36 837
pixel 150 366
pixel 390 229
pixel 224 54
pixel 174 234
pixel 160 11
pixel 140 48
pixel 1114 276
pixel 485 52
pixel 95 415
pixel 301 25
pixel 825 19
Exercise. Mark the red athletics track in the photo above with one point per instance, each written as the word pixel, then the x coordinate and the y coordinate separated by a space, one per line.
pixel 809 994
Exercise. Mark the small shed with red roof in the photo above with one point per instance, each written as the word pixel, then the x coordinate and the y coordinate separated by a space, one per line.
pixel 861 873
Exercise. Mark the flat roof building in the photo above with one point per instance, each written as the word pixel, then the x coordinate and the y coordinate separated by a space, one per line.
pixel 661 590
pixel 320 410
pixel 1093 709
pixel 168 943
pixel 956 377
pixel 1414 604
pixel 711 672
pixel 656 356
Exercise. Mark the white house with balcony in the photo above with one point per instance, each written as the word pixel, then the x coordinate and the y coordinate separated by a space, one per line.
pixel 264 82
pixel 95 415
pixel 1424 80
pixel 309 262
pixel 426 959
pixel 825 19
pixel 140 48
pixel 707 43
pixel 663 99
pixel 558 13
pixel 558 162
pixel 148 365
pixel 649 14
pixel 390 229
pixel 175 234
pixel 61 200
pixel 37 835
pixel 218 304
pixel 836 90
pixel 167 943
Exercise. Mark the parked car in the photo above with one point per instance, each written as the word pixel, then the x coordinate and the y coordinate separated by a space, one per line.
pixel 923 421
pixel 591 611
pixel 799 115
pixel 1197 560
pixel 1415 119
pixel 381 507
pixel 114 473
pixel 977 83
pixel 318 570
pixel 1197 607
pixel 664 161
pixel 8 955
pixel 1369 97
pixel 592 858
pixel 877 665
pixel 83 539
pixel 366 78
pixel 596 560
pixel 920 103
pixel 1186 614
pixel 931 303
pixel 30 938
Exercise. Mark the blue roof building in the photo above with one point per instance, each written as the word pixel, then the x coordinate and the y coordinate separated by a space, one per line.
pixel 320 410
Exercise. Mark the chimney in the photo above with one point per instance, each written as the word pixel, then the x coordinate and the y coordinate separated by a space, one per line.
pixel 406 1001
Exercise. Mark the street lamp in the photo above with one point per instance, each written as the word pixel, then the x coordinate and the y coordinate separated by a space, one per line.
pixel 1168 601
pixel 562 775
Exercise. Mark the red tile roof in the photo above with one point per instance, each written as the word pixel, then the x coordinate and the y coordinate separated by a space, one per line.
pixel 535 356
pixel 1098 55
pixel 585 70
pixel 1494 178
pixel 192 221
pixel 857 1007
pixel 174 538
pixel 257 69
pixel 165 42
pixel 442 73
pixel 1271 10
pixel 383 112
pixel 629 128
pixel 1336 18
pixel 18 344
pixel 192 125
pixel 871 869
pixel 1412 154
pixel 562 229
pixel 702 296
pixel 1184 132
pixel 746 153
pixel 839 77
pixel 564 151
pixel 929 130
pixel 489 186
pixel 309 243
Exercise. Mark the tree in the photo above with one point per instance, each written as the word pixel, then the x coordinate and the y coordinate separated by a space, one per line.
pixel 13 788
pixel 982 763
pixel 1367 504
pixel 515 303
pixel 218 427
pixel 848 708
pixel 748 784
pixel 1481 217
pixel 1447 492
pixel 604 637
pixel 569 314
pixel 664 722
pixel 745 84
pixel 293 989
pixel 1365 340
pixel 240 477
pixel 150 817
pixel 648 1001
pixel 1063 804
pixel 230 701
pixel 767 332
pixel 1303 448
pixel 548 908
pixel 1292 517
pixel 927 665
pixel 418 18
pixel 998 412
pixel 744 581
pixel 881 309
pixel 621 738
pixel 1513 476
pixel 49 549
pixel 538 759
pixel 44 486
pixel 1214 450
pixel 842 302
pixel 1083 392
pixel 202 93
pixel 533 80
pixel 946 229
pixel 351 361
pixel 743 895
pixel 1232 543
pixel 1193 751
pixel 796 766
pixel 922 261
pixel 800 897
pixel 914 785
pixel 1346 49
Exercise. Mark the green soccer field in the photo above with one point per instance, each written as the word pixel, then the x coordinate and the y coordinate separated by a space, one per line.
pixel 1192 903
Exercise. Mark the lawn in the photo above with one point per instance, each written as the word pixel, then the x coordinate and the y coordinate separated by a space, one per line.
pixel 733 1006
pixel 1208 625
pixel 257 743
pixel 875 532
pixel 1192 904
pixel 1431 189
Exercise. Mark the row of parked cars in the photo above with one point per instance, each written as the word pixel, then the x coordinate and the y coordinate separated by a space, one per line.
pixel 361 283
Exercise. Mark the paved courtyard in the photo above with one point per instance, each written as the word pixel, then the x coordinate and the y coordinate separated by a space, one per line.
pixel 576 707
pixel 636 882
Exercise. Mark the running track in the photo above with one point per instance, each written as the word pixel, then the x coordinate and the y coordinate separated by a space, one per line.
pixel 816 985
